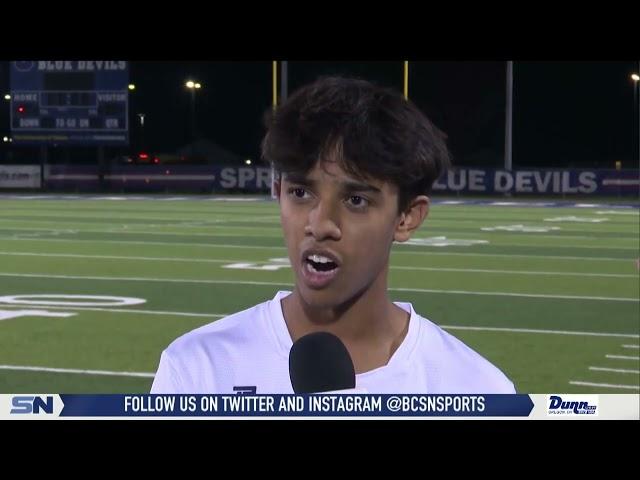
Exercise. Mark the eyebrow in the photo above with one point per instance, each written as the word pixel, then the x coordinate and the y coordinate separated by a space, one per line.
pixel 348 186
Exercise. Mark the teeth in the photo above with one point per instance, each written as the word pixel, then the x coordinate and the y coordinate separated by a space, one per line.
pixel 319 259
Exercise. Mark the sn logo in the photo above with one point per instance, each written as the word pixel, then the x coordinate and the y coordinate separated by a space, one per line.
pixel 31 404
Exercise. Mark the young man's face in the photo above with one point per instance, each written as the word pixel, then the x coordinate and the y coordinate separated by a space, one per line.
pixel 339 231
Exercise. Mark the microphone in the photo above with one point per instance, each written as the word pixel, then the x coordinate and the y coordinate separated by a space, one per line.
pixel 319 362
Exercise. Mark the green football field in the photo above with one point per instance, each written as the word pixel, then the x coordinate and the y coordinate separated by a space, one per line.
pixel 548 294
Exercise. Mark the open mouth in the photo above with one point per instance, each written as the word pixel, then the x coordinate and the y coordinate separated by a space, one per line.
pixel 319 269
pixel 320 264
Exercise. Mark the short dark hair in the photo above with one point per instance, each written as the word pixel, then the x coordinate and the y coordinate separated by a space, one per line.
pixel 377 132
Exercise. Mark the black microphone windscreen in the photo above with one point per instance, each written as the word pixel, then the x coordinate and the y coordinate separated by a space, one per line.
pixel 319 362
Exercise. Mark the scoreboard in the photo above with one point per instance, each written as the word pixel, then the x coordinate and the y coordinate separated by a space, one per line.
pixel 80 102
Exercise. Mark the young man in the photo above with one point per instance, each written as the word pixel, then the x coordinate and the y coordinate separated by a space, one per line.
pixel 355 164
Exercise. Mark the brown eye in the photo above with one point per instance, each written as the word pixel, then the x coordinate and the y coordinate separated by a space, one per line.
pixel 298 192
pixel 357 201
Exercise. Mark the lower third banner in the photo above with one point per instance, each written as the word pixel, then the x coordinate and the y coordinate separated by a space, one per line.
pixel 239 405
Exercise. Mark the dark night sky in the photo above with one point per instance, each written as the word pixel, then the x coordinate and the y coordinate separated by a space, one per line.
pixel 565 113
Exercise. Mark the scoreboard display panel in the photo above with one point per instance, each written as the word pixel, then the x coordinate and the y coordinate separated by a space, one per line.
pixel 79 102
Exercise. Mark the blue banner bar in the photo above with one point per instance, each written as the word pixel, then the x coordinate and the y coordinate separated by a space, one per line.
pixel 473 181
pixel 322 405
pixel 539 181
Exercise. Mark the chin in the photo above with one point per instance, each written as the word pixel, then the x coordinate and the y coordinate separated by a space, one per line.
pixel 333 297
pixel 322 298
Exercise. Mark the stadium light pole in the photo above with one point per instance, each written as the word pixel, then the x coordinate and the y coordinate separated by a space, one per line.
pixel 274 85
pixel 7 139
pixel 193 86
pixel 131 87
pixel 141 117
pixel 508 131
pixel 636 107
pixel 405 82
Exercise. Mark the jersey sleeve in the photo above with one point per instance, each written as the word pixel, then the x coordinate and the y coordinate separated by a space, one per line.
pixel 166 379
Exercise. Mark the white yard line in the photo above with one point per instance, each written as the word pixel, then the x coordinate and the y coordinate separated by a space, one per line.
pixel 393 267
pixel 118 310
pixel 285 284
pixel 604 385
pixel 72 370
pixel 534 330
pixel 283 249
pixel 623 357
pixel 446 327
pixel 614 370
pixel 125 229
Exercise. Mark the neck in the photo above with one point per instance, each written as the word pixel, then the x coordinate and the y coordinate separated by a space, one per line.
pixel 360 316
pixel 369 324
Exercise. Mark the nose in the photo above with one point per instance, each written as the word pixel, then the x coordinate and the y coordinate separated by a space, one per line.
pixel 323 222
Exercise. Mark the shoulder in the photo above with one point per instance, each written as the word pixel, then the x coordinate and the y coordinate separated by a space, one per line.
pixel 206 359
pixel 458 368
pixel 238 328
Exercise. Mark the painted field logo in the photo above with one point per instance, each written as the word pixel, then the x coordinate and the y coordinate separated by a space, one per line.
pixel 572 405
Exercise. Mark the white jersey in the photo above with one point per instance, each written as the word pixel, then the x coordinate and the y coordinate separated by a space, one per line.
pixel 249 352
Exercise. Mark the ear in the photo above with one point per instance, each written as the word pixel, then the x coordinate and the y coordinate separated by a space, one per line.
pixel 411 219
